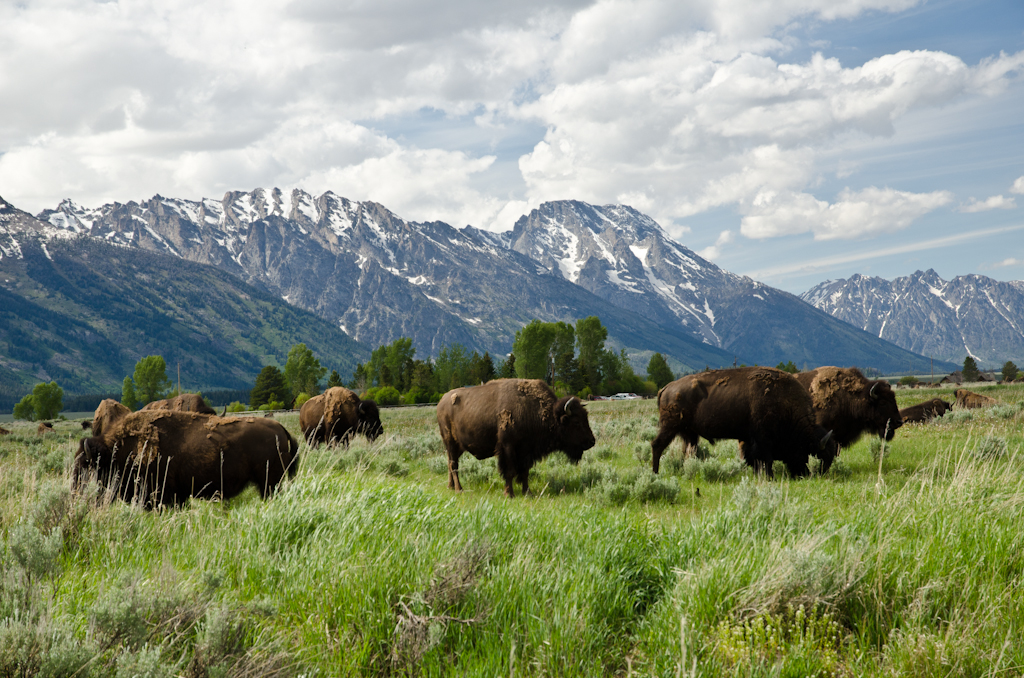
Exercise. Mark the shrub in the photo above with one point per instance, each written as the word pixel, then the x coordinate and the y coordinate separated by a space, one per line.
pixel 300 399
pixel 273 405
pixel 388 396
pixel 990 447
pixel 237 407
pixel 908 380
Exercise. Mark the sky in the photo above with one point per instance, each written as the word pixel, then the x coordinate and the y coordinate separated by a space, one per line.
pixel 793 141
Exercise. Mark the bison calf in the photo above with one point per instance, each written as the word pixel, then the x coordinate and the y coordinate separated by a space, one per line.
pixel 765 409
pixel 518 420
pixel 338 414
pixel 165 457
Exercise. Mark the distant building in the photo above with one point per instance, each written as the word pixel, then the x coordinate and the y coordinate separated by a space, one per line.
pixel 953 378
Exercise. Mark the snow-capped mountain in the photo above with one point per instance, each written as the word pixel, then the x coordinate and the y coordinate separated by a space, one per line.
pixel 379 277
pixel 968 315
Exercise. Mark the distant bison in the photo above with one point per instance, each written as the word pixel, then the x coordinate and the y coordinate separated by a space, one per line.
pixel 44 427
pixel 849 404
pixel 518 420
pixel 164 457
pixel 4 432
pixel 337 415
pixel 765 409
pixel 968 400
pixel 926 411
pixel 186 402
pixel 107 415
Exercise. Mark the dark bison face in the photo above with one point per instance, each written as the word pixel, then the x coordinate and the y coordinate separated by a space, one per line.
pixel 884 414
pixel 574 428
pixel 92 456
pixel 941 407
pixel 828 448
pixel 369 420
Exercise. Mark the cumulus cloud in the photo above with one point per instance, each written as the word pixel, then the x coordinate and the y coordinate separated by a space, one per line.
pixel 869 212
pixel 1018 186
pixel 714 251
pixel 996 202
pixel 674 108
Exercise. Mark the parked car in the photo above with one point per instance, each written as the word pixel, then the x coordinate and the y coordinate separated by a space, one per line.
pixel 626 396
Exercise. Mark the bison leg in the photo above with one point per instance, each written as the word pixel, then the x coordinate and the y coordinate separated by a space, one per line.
pixel 664 438
pixel 524 480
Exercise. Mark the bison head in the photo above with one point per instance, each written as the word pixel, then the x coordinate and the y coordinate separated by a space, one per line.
pixel 575 436
pixel 828 449
pixel 884 414
pixel 93 456
pixel 369 420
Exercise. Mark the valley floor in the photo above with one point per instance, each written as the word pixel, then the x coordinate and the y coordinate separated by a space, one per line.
pixel 905 559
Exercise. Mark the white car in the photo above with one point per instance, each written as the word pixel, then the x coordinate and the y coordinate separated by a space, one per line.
pixel 625 396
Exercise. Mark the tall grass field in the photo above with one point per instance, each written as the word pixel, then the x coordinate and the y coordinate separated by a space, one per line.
pixel 905 559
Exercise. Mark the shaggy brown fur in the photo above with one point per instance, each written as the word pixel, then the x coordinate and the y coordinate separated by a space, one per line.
pixel 519 420
pixel 186 402
pixel 338 414
pixel 926 411
pixel 165 457
pixel 44 427
pixel 765 409
pixel 968 400
pixel 849 404
pixel 107 415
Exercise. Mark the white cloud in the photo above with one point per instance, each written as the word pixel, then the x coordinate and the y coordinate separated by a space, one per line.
pixel 1018 186
pixel 675 108
pixel 1011 261
pixel 869 212
pixel 996 202
pixel 714 251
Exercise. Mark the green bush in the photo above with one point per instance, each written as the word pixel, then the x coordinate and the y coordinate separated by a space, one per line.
pixel 300 399
pixel 237 407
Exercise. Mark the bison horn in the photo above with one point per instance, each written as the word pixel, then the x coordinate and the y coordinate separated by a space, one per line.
pixel 569 402
pixel 874 396
pixel 824 441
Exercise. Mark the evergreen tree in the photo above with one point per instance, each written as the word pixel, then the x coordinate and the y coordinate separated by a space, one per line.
pixel 150 379
pixel 508 367
pixel 483 368
pixel 658 371
pixel 303 371
pixel 270 386
pixel 970 371
pixel 787 367
pixel 334 379
pixel 1009 371
pixel 128 397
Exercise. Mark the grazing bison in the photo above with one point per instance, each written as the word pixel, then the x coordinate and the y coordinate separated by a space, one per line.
pixel 519 420
pixel 4 432
pixel 165 457
pixel 926 411
pixel 765 409
pixel 849 404
pixel 337 415
pixel 186 402
pixel 44 427
pixel 107 415
pixel 968 400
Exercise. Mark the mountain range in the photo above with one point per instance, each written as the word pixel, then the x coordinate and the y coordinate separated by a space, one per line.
pixel 376 277
pixel 970 315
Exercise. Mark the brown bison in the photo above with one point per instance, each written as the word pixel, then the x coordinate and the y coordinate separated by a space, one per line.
pixel 519 420
pixel 107 415
pixel 849 404
pixel 337 415
pixel 4 432
pixel 926 411
pixel 44 428
pixel 164 457
pixel 765 409
pixel 968 400
pixel 186 402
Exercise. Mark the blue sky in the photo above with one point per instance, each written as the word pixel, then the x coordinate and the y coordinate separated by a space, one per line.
pixel 791 141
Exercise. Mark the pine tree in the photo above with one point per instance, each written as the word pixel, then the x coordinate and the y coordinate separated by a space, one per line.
pixel 658 371
pixel 1009 371
pixel 334 379
pixel 970 371
pixel 270 387
pixel 128 397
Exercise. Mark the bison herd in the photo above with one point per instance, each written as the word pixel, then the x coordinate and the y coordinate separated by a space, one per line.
pixel 175 449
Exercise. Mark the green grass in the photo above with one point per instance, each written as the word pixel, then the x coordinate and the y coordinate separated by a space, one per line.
pixel 905 559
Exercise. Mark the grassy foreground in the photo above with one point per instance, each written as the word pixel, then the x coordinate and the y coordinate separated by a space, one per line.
pixel 903 560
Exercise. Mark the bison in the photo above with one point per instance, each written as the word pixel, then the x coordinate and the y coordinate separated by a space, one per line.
pixel 518 420
pixel 44 428
pixel 849 404
pixel 926 411
pixel 164 457
pixel 765 409
pixel 4 432
pixel 337 415
pixel 186 402
pixel 107 415
pixel 968 400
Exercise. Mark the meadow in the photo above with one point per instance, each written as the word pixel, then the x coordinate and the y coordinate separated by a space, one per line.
pixel 905 559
